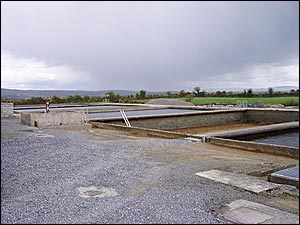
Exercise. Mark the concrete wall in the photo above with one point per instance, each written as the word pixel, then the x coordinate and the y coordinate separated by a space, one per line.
pixel 7 109
pixel 52 118
pixel 272 115
pixel 257 147
pixel 185 121
pixel 283 180
pixel 252 132
pixel 141 131
pixel 209 118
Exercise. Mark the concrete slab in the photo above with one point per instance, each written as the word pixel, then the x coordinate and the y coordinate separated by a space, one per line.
pixel 245 182
pixel 255 130
pixel 193 139
pixel 280 150
pixel 287 176
pixel 246 212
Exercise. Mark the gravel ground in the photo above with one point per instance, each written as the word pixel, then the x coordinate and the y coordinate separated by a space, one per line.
pixel 153 180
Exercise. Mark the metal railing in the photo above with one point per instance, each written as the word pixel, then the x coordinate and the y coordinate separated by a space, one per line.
pixel 242 103
pixel 125 118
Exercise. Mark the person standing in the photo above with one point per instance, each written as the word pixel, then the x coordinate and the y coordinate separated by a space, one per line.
pixel 47 105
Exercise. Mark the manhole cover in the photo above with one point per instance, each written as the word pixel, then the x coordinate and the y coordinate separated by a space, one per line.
pixel 90 192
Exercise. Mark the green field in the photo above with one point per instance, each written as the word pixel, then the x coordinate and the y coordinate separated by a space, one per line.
pixel 286 101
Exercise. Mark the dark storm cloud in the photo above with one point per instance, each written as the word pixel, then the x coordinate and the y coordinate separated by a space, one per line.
pixel 155 45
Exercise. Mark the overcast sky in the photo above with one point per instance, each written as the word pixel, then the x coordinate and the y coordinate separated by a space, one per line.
pixel 156 46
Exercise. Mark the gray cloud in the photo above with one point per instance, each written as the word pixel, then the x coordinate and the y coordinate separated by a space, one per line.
pixel 155 45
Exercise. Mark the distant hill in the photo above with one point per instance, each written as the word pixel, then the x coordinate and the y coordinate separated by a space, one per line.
pixel 255 90
pixel 22 94
pixel 285 88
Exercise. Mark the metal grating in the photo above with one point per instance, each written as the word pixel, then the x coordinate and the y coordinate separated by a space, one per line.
pixel 290 173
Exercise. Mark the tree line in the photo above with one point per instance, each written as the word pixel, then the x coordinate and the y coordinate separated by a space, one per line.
pixel 142 95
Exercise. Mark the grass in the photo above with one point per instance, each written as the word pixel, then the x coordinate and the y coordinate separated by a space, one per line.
pixel 286 101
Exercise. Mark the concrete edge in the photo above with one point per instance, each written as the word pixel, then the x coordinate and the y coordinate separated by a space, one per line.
pixel 263 173
pixel 169 115
pixel 71 127
pixel 39 119
pixel 257 130
pixel 140 131
pixel 245 212
pixel 276 178
pixel 256 147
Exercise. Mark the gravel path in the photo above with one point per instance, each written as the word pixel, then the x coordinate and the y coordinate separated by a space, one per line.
pixel 140 180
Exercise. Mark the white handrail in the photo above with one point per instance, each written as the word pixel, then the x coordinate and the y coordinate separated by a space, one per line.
pixel 125 118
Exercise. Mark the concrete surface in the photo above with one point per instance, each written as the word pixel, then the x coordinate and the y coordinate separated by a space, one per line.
pixel 246 212
pixel 140 131
pixel 272 115
pixel 52 118
pixel 183 120
pixel 209 118
pixel 256 130
pixel 292 152
pixel 245 182
pixel 257 147
pixel 7 109
pixel 286 176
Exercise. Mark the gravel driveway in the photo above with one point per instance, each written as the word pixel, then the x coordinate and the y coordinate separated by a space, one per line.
pixel 104 176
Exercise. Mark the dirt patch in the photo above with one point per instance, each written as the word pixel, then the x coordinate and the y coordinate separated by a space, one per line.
pixel 88 192
pixel 141 188
pixel 287 202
